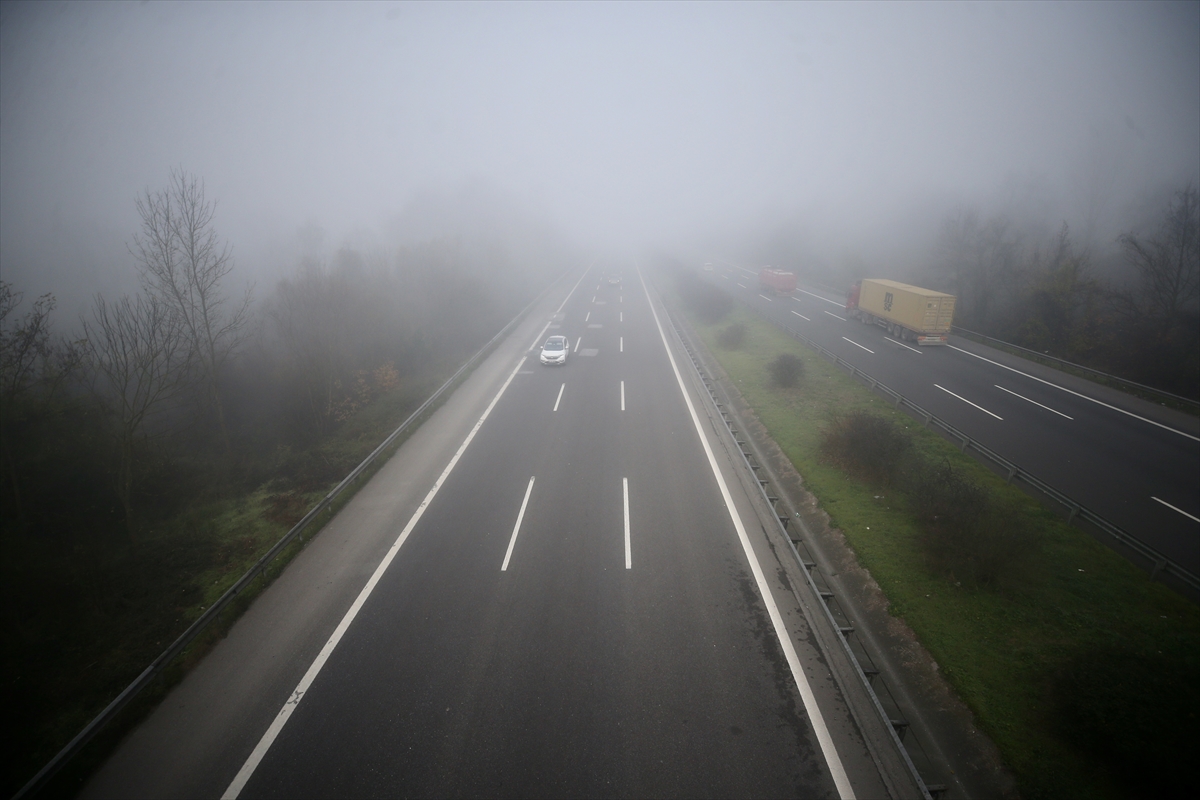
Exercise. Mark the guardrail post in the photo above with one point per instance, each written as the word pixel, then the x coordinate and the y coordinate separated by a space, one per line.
pixel 1074 511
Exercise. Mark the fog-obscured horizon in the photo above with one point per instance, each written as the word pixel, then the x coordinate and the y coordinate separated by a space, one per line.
pixel 811 135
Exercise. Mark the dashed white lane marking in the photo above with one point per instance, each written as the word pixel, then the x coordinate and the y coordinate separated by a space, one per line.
pixel 826 299
pixel 587 316
pixel 764 297
pixel 856 344
pixel 1077 394
pixel 836 768
pixel 801 316
pixel 577 341
pixel 1173 508
pixel 968 402
pixel 622 343
pixel 594 296
pixel 726 277
pixel 622 395
pixel 1027 400
pixel 560 306
pixel 835 316
pixel 628 550
pixel 517 527
pixel 742 285
pixel 906 347
pixel 285 713
pixel 622 318
pixel 559 398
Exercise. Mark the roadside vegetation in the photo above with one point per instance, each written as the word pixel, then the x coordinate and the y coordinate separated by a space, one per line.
pixel 1078 666
pixel 151 454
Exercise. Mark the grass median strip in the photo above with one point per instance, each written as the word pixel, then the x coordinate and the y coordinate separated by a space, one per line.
pixel 1079 667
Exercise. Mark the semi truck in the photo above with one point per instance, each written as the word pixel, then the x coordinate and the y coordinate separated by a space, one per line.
pixel 907 312
pixel 776 281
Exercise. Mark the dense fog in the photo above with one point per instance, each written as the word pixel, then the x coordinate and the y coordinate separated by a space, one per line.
pixel 834 134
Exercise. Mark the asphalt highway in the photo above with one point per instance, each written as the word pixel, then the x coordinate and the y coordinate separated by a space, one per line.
pixel 555 589
pixel 1130 461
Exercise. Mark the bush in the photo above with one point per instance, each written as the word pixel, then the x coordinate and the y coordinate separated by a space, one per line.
pixel 786 370
pixel 733 337
pixel 710 303
pixel 1135 710
pixel 964 532
pixel 866 446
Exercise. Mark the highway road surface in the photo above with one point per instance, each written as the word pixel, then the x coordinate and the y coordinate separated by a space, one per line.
pixel 558 587
pixel 1132 462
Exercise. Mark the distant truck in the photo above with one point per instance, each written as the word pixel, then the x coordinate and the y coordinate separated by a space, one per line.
pixel 776 281
pixel 907 312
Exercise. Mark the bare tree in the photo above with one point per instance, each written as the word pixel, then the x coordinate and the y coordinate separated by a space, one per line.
pixel 183 264
pixel 141 355
pixel 1168 265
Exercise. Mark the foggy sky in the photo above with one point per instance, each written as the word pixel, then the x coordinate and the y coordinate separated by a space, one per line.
pixel 857 124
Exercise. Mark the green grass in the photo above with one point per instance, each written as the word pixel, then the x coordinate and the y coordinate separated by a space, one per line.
pixel 1013 652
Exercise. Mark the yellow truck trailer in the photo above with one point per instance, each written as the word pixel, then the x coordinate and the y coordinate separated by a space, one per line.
pixel 907 312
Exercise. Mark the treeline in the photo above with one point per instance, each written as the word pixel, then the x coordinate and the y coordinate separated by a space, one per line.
pixel 168 437
pixel 1046 296
pixel 190 387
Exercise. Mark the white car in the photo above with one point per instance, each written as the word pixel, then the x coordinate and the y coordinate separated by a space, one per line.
pixel 614 280
pixel 555 350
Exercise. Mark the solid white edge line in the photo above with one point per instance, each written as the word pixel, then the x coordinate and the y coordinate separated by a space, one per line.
pixel 856 344
pixel 517 527
pixel 285 713
pixel 628 550
pixel 901 344
pixel 836 769
pixel 622 395
pixel 1173 508
pixel 968 402
pixel 1077 394
pixel 764 297
pixel 559 398
pixel 801 316
pixel 835 316
pixel 826 299
pixel 1035 402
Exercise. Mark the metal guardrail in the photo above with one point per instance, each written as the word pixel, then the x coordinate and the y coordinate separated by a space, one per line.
pixel 1159 563
pixel 897 724
pixel 260 566
pixel 1062 362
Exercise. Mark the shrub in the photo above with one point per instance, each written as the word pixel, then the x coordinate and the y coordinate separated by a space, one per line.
pixel 1135 710
pixel 710 303
pixel 786 370
pixel 866 446
pixel 733 337
pixel 964 531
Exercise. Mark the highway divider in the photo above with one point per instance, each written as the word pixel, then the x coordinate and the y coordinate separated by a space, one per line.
pixel 1160 566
